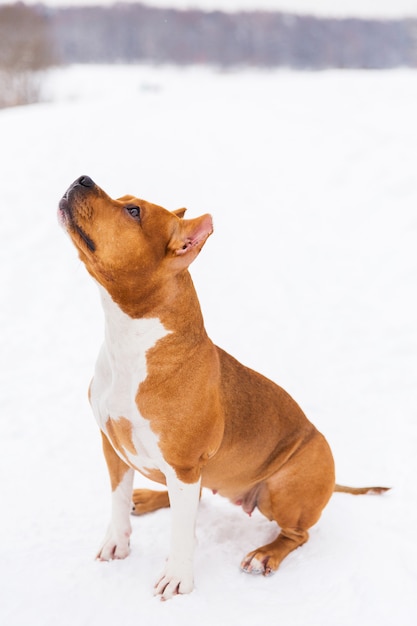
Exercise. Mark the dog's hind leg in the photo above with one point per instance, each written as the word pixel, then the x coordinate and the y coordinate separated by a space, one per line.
pixel 294 497
pixel 277 504
pixel 266 560
pixel 148 500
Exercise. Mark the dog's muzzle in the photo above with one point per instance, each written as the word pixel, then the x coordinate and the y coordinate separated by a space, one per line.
pixel 66 206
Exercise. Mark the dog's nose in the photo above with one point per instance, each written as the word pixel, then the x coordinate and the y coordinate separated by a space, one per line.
pixel 85 181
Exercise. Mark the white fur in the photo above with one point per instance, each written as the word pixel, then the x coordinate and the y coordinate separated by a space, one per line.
pixel 121 367
pixel 116 541
pixel 177 576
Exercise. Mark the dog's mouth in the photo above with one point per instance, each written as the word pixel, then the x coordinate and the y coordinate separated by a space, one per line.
pixel 87 240
pixel 63 211
pixel 67 219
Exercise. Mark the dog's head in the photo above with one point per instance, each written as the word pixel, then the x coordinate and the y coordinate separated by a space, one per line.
pixel 130 246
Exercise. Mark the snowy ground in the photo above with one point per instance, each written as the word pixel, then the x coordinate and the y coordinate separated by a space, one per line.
pixel 310 278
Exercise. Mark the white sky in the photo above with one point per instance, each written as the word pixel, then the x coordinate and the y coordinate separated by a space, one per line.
pixel 363 8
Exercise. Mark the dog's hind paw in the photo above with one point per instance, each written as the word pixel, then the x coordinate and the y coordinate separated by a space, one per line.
pixel 148 500
pixel 252 565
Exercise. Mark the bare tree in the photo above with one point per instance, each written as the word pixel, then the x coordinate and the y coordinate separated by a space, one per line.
pixel 25 51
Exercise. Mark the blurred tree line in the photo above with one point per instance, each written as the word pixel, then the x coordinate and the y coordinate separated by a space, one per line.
pixel 36 37
pixel 136 32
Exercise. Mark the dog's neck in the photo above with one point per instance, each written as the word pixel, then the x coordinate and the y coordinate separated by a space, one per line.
pixel 128 338
pixel 178 314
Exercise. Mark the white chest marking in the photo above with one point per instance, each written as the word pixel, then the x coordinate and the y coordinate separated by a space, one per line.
pixel 121 367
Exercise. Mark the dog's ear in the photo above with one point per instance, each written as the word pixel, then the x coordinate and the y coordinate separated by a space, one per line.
pixel 189 238
pixel 180 212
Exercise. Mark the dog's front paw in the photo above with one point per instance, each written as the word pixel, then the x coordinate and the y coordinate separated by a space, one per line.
pixel 115 546
pixel 173 581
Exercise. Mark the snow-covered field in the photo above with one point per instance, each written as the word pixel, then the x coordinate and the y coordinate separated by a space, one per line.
pixel 310 277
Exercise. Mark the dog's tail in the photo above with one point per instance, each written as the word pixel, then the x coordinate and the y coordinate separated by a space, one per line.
pixel 358 491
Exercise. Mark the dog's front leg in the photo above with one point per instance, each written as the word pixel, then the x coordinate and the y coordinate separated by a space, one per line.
pixel 116 541
pixel 178 573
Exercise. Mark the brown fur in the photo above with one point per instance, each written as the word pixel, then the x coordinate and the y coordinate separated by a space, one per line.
pixel 117 468
pixel 120 433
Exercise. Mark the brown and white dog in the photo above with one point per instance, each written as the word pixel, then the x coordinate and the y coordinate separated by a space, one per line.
pixel 175 407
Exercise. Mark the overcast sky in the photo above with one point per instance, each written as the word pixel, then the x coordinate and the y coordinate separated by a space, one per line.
pixel 373 8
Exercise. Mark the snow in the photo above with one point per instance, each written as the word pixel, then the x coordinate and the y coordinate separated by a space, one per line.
pixel 309 278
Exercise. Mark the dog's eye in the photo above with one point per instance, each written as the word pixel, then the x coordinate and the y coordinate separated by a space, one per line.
pixel 133 210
